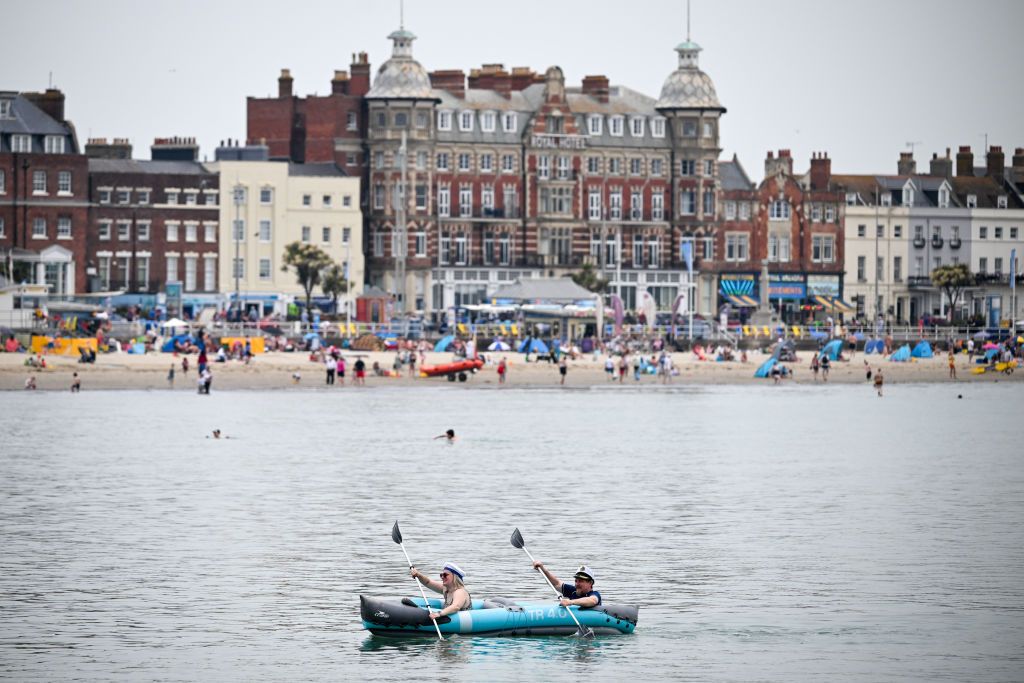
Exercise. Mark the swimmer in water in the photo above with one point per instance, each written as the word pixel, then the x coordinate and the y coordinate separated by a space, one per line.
pixel 450 435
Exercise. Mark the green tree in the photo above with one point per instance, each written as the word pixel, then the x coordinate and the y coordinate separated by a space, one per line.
pixel 333 283
pixel 588 278
pixel 952 279
pixel 309 262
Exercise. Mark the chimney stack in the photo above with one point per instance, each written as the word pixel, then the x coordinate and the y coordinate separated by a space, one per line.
pixel 174 149
pixel 491 77
pixel 51 102
pixel 523 77
pixel 783 164
pixel 965 162
pixel 597 86
pixel 452 80
pixel 821 171
pixel 1018 165
pixel 906 165
pixel 359 84
pixel 100 148
pixel 339 84
pixel 995 160
pixel 941 166
pixel 284 84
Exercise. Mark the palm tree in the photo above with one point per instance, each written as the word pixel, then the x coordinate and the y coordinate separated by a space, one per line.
pixel 588 278
pixel 309 262
pixel 334 283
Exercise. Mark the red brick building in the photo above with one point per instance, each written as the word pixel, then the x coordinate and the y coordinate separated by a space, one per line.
pixel 44 201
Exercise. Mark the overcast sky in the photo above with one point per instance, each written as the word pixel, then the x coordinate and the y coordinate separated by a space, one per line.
pixel 859 80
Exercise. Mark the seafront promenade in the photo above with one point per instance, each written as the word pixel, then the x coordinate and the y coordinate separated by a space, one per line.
pixel 275 370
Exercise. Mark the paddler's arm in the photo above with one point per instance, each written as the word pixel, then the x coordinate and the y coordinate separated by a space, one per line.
pixel 426 581
pixel 557 582
pixel 459 597
pixel 589 601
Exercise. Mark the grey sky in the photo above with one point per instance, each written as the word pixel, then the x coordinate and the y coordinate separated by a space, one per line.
pixel 856 79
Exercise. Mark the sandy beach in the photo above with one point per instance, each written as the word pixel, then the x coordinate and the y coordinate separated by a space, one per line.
pixel 275 370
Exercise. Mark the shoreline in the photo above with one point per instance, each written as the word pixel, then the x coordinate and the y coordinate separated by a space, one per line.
pixel 274 371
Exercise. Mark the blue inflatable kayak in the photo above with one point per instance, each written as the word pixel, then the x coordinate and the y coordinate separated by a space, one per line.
pixel 494 617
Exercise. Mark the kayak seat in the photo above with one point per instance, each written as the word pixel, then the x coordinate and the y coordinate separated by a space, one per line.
pixel 492 603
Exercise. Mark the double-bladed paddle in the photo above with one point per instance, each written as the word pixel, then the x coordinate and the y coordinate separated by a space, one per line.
pixel 396 536
pixel 518 542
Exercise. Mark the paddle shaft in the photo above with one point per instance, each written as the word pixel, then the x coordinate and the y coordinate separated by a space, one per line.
pixel 557 592
pixel 422 594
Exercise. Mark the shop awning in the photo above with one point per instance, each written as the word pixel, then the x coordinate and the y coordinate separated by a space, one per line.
pixel 834 303
pixel 742 300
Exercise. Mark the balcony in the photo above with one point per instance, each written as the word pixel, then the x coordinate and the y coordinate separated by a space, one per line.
pixel 955 243
pixel 919 242
pixel 919 282
pixel 936 242
pixel 992 279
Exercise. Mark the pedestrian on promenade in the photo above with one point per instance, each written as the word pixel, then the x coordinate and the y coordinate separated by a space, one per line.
pixel 76 384
pixel 563 367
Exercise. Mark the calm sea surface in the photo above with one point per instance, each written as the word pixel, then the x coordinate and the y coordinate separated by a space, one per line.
pixel 785 534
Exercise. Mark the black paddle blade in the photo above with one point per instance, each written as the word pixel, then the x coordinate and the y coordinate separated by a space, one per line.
pixel 517 539
pixel 396 533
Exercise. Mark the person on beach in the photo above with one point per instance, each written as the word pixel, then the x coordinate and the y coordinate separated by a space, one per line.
pixel 502 370
pixel 609 368
pixel 412 363
pixel 332 368
pixel 207 381
pixel 623 364
pixel 170 376
pixel 580 593
pixel 815 366
pixel 952 365
pixel 449 435
pixel 879 381
pixel 563 367
pixel 867 370
pixel 184 365
pixel 826 364
pixel 296 377
pixel 970 350
pixel 360 367
pixel 76 384
pixel 451 586
pixel 341 370
pixel 30 383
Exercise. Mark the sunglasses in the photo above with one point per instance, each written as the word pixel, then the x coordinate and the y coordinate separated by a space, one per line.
pixel 444 574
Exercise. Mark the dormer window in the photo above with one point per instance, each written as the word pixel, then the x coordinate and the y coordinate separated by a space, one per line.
pixel 615 124
pixel 488 120
pixel 636 127
pixel 21 143
pixel 851 198
pixel 54 144
pixel 5 108
pixel 658 127
pixel 594 124
pixel 466 121
pixel 1001 201
pixel 886 199
pixel 972 201
pixel 509 122
pixel 555 125
pixel 444 120
pixel 908 196
pixel 943 197
pixel 780 210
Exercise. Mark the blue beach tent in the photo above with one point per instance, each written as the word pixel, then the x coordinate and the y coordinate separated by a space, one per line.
pixel 832 349
pixel 901 356
pixel 874 346
pixel 532 345
pixel 766 368
pixel 922 350
pixel 442 346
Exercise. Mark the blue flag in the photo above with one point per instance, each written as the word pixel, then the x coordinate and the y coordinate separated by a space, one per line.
pixel 1013 269
pixel 688 256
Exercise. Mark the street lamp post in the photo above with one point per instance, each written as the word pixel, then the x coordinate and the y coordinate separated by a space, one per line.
pixel 239 197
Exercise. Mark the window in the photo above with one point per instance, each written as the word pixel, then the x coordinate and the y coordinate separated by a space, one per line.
pixel 124 196
pixel 982 233
pixel 64 182
pixel 658 127
pixel 635 166
pixel 687 167
pixel 461 249
pixel 908 196
pixel 444 120
pixel 264 230
pixel 1001 201
pixel 937 262
pixel 508 163
pixel 773 247
pixel 709 203
pixel 487 162
pixel 689 127
pixel 919 266
pixel 982 265
pixel 39 227
pixel 1013 233
pixel 346 235
pixel 63 227
pixel 709 167
pixel 351 158
pixel 266 195
pixel 172 197
pixel 306 234
pixel 442 161
pixel 421 119
pixel 378 159
pixel 466 200
pixel 730 211
pixel 737 246
pixel 636 205
pixel 444 201
pixel 594 124
pixel 420 239
pixel 143 196
pixel 487 198
pixel 998 265
pixel 657 166
pixel 382 119
pixel 657 205
pixel 998 230
pixel 919 232
pixel 421 197
pixel 543 167
pixel 104 272
pixel 346 201
pixel 744 211
pixel 688 202
pixel 326 201
pixel 880 231
pixel 504 249
pixel 897 231
pixel 238 269
pixel 172 232
pixel 779 210
pixel 378 196
pixel 401 119
pixel 816 213
pixel 3 229
pixel 21 143
pixel 943 198
pixel 142 272
pixel 636 127
pixel 594 204
pixel 784 248
pixel 172 269
pixel 709 129
pixel 557 200
pixel 351 123
pixel 862 231
pixel 421 160
pixel 445 247
pixel 326 235
pixel 615 126
pixel 510 201
pixel 897 268
pixel 39 182
pixel 972 201
pixel 488 119
pixel 141 231
pixel 209 274
pixel 54 144
pixel 307 200
pixel 851 198
pixel 880 268
pixel 239 230
pixel 190 232
pixel 463 162
pixel 822 248
pixel 124 231
pixel 466 121
pixel 638 251
pixel 615 203
pixel 555 124
pixel 563 168
pixel 509 121
pixel 191 197
pixel 615 166
pixel 190 273
pixel 210 233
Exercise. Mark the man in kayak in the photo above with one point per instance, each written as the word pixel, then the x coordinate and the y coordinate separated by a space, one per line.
pixel 456 597
pixel 580 593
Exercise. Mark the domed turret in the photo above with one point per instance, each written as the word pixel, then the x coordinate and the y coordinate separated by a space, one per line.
pixel 401 77
pixel 688 87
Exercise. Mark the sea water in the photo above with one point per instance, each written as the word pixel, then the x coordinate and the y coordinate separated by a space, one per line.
pixel 792 533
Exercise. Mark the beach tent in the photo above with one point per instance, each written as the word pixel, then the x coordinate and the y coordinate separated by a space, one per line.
pixel 785 350
pixel 442 346
pixel 901 356
pixel 874 346
pixel 531 345
pixel 168 346
pixel 922 350
pixel 832 349
pixel 766 368
pixel 498 345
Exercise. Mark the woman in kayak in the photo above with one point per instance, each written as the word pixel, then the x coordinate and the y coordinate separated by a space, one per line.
pixel 456 597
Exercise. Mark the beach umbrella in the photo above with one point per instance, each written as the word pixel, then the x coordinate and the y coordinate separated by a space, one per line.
pixel 982 335
pixel 445 342
pixel 498 345
pixel 310 335
pixel 173 322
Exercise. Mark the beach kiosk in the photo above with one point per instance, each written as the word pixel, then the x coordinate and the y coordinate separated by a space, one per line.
pixel 374 305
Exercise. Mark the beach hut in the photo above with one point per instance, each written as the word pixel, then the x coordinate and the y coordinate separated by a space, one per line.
pixel 922 350
pixel 901 356
pixel 832 349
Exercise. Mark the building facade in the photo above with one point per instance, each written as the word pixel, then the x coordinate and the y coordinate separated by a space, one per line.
pixel 44 203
